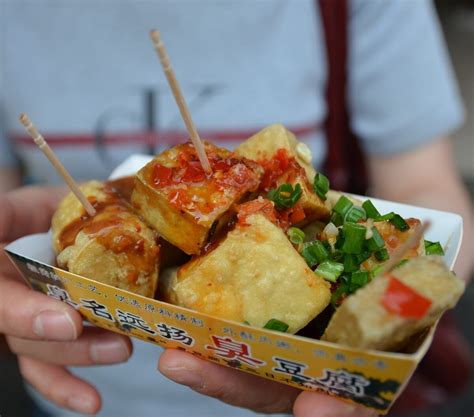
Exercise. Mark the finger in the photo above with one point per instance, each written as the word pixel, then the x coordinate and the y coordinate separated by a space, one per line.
pixel 58 385
pixel 30 315
pixel 94 347
pixel 27 210
pixel 7 268
pixel 226 384
pixel 314 404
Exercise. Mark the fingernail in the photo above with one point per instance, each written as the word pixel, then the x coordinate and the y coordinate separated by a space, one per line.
pixel 109 349
pixel 54 325
pixel 184 376
pixel 81 404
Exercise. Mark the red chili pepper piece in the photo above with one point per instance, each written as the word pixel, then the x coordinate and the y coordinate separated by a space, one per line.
pixel 194 172
pixel 262 206
pixel 297 214
pixel 402 300
pixel 162 175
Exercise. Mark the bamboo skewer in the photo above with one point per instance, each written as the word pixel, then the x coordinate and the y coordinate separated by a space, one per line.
pixel 399 253
pixel 178 96
pixel 42 144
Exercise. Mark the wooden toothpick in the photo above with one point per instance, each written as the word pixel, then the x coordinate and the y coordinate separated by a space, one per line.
pixel 39 140
pixel 178 96
pixel 399 253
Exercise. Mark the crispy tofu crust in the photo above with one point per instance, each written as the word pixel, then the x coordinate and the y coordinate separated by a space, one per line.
pixel 114 247
pixel 175 197
pixel 71 210
pixel 254 275
pixel 265 146
pixel 363 322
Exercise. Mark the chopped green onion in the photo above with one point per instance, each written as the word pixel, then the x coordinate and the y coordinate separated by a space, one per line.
pixel 354 238
pixel 375 271
pixel 342 206
pixel 336 295
pixel 314 253
pixel 296 235
pixel 340 240
pixel 401 263
pixel 337 219
pixel 399 222
pixel 395 219
pixel 382 255
pixel 362 257
pixel 277 325
pixel 330 270
pixel 376 242
pixel 337 255
pixel 247 323
pixel 433 248
pixel 351 263
pixel 321 185
pixel 370 209
pixel 385 217
pixel 285 196
pixel 358 280
pixel 327 245
pixel 355 214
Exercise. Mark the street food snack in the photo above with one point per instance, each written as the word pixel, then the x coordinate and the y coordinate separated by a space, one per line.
pixel 114 246
pixel 253 275
pixel 391 308
pixel 285 161
pixel 231 246
pixel 184 204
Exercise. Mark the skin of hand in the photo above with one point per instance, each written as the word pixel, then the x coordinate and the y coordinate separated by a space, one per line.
pixel 46 334
pixel 425 177
pixel 10 179
pixel 249 391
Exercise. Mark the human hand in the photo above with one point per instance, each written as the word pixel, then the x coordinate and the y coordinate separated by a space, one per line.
pixel 44 333
pixel 249 391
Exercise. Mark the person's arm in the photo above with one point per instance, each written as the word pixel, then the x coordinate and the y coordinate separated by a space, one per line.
pixel 427 177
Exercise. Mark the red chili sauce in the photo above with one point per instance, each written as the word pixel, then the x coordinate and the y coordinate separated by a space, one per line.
pixel 283 219
pixel 280 169
pixel 188 188
pixel 394 237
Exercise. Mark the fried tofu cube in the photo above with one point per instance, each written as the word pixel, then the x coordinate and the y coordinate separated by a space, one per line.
pixel 184 205
pixel 285 160
pixel 253 275
pixel 363 320
pixel 113 247
pixel 264 145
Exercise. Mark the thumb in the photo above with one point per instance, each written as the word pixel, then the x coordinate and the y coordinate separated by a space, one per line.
pixel 27 210
pixel 314 404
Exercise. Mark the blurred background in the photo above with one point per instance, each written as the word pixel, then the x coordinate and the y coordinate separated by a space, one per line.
pixel 457 18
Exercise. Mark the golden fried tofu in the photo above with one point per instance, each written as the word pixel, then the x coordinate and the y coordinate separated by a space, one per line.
pixel 70 210
pixel 174 195
pixel 114 247
pixel 168 280
pixel 253 275
pixel 264 145
pixel 391 308
pixel 285 160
